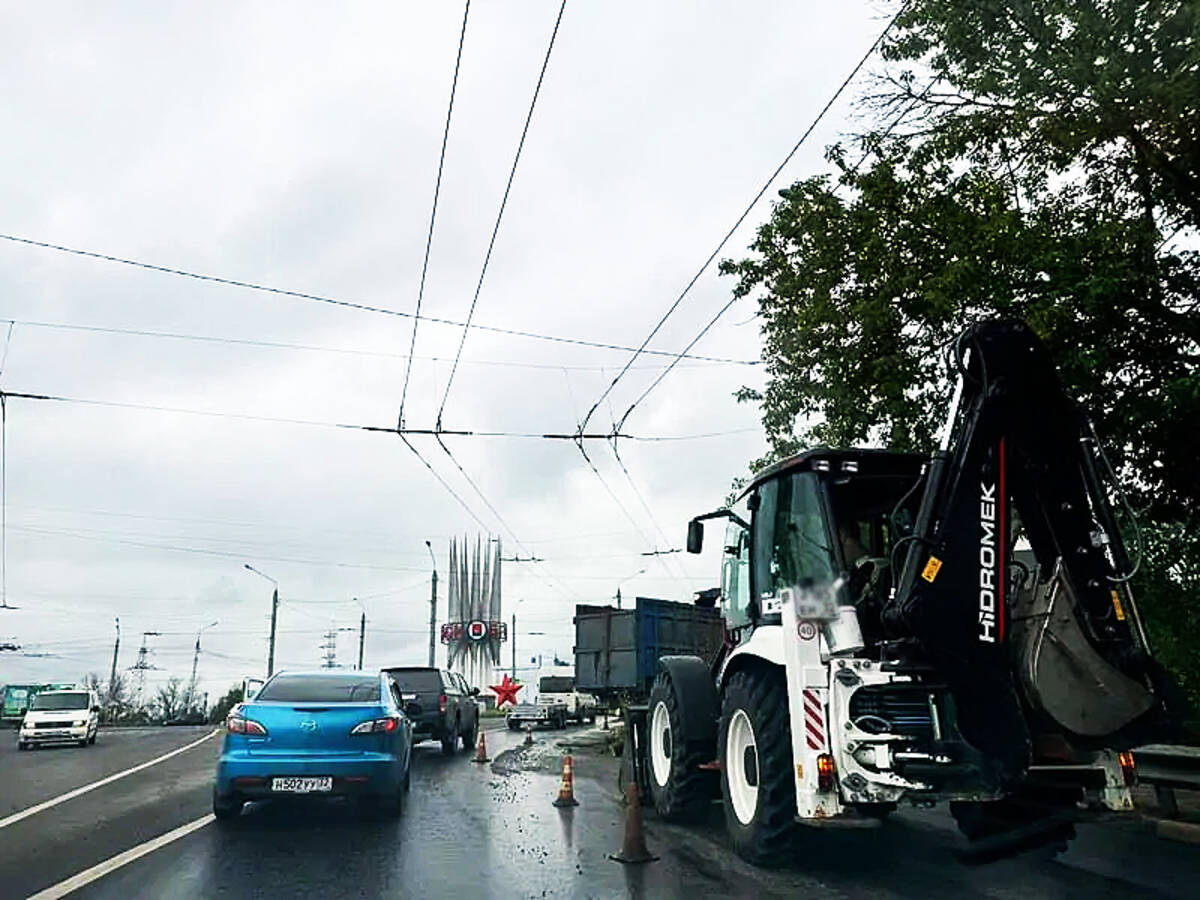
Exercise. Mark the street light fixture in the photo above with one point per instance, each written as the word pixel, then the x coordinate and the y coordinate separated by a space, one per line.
pixel 191 694
pixel 274 618
pixel 623 580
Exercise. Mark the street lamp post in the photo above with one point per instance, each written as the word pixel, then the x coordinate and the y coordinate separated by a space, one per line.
pixel 623 580
pixel 274 617
pixel 362 634
pixel 432 606
pixel 191 695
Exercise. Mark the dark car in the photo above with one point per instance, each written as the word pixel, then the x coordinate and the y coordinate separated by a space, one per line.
pixel 441 705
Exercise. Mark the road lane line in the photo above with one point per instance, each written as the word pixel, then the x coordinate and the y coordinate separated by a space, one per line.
pixel 71 795
pixel 87 876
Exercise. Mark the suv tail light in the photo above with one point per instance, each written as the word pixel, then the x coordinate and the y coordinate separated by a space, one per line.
pixel 442 703
pixel 377 726
pixel 238 725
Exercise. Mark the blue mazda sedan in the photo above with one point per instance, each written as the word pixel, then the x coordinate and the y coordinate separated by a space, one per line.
pixel 319 734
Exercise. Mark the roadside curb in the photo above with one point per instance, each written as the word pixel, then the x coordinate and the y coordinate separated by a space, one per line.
pixel 1173 830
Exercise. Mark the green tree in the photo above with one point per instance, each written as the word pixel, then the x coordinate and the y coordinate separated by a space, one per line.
pixel 1030 158
pixel 232 697
pixel 170 701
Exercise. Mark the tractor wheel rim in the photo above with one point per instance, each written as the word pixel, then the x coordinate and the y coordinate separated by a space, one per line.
pixel 740 752
pixel 660 744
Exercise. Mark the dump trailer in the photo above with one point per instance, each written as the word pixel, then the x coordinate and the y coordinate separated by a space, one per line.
pixel 617 650
pixel 890 640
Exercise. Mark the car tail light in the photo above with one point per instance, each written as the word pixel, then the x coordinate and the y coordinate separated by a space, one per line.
pixel 442 703
pixel 238 725
pixel 825 772
pixel 1128 768
pixel 385 725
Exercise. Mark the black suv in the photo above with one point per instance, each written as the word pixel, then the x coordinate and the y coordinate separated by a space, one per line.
pixel 441 705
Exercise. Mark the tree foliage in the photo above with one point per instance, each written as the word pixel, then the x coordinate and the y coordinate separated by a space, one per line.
pixel 170 701
pixel 232 697
pixel 1029 158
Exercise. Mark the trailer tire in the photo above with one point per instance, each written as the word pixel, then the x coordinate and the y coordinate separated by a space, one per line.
pixel 760 803
pixel 679 788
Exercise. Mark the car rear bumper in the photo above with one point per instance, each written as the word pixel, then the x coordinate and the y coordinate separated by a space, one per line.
pixel 429 729
pixel 250 777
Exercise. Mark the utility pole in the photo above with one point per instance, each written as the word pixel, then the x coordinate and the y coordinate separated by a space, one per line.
pixel 432 608
pixel 274 618
pixel 191 694
pixel 112 675
pixel 362 637
pixel 514 647
pixel 271 645
pixel 192 684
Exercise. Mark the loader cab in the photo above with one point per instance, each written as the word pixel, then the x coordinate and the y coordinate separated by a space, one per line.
pixel 823 523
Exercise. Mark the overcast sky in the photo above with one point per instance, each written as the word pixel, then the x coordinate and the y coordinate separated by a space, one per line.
pixel 296 145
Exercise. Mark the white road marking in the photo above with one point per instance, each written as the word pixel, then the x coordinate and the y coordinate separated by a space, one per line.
pixel 87 876
pixel 71 795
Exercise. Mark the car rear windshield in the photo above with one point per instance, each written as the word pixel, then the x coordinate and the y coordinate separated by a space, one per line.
pixel 60 701
pixel 418 681
pixel 321 689
pixel 557 684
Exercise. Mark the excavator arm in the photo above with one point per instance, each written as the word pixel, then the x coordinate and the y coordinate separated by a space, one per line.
pixel 1057 651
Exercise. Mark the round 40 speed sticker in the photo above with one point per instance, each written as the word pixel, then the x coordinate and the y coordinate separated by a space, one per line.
pixel 806 630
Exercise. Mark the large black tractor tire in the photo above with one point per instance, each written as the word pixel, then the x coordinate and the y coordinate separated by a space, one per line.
pixel 679 788
pixel 761 831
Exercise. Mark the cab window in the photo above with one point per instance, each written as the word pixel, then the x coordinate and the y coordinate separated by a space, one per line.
pixel 791 544
pixel 735 574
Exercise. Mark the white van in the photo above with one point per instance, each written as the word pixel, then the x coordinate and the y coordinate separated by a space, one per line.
pixel 62 716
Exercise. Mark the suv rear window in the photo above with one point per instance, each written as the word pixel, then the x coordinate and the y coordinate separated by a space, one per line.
pixel 321 689
pixel 418 681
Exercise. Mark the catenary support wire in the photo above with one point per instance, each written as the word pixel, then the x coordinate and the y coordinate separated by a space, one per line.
pixel 437 189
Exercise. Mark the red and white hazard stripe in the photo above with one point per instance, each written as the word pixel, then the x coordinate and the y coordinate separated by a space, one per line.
pixel 814 721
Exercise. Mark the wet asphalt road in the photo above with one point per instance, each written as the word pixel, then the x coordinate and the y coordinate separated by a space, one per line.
pixel 490 831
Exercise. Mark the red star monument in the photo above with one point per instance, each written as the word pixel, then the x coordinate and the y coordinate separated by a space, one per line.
pixel 506 691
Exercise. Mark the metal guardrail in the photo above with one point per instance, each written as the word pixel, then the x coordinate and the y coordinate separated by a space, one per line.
pixel 1163 765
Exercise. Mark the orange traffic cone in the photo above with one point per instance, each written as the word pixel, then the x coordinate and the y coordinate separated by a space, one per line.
pixel 566 791
pixel 481 749
pixel 633 849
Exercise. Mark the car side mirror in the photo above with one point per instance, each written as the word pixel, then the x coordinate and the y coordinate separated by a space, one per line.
pixel 695 536
pixel 95 709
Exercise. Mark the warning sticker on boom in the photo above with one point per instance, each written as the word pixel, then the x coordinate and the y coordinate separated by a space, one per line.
pixel 931 569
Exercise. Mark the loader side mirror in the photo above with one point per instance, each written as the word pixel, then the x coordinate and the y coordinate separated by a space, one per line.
pixel 695 536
